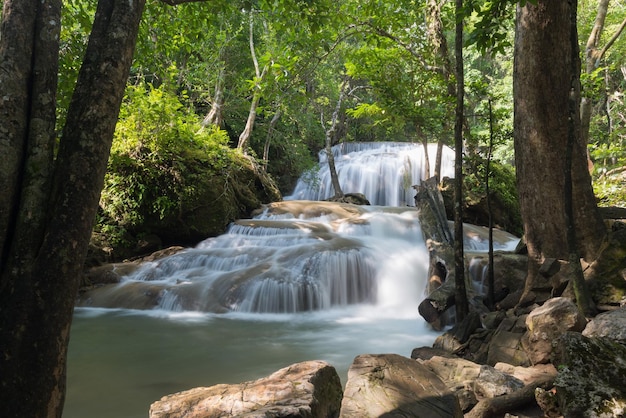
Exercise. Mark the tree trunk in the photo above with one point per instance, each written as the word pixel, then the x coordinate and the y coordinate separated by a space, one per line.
pixel 244 138
pixel 543 76
pixel 592 61
pixel 421 135
pixel 216 115
pixel 268 138
pixel 438 159
pixel 246 134
pixel 593 56
pixel 329 138
pixel 460 297
pixel 37 299
pixel 17 47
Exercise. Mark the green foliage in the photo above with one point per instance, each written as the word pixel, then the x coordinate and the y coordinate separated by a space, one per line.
pixel 610 174
pixel 491 23
pixel 502 189
pixel 158 153
pixel 77 17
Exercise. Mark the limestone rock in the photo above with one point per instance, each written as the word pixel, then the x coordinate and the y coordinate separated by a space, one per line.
pixel 610 324
pixel 528 374
pixel 547 323
pixel 491 383
pixel 590 381
pixel 393 385
pixel 505 344
pixel 310 389
pixel 458 374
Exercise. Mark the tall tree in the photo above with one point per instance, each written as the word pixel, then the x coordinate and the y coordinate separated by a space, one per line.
pixel 546 73
pixel 460 294
pixel 594 53
pixel 51 204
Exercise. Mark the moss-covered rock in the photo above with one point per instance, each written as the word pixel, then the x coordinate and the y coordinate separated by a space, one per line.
pixel 590 379
pixel 504 203
pixel 171 181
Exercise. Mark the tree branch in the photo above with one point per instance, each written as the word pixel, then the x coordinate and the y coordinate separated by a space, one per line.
pixel 612 40
pixel 177 2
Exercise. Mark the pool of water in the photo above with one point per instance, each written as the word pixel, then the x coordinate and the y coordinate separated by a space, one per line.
pixel 120 361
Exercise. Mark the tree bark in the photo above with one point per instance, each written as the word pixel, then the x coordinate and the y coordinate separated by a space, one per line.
pixel 270 134
pixel 543 74
pixel 593 56
pixel 496 407
pixel 460 297
pixel 216 114
pixel 16 55
pixel 244 138
pixel 439 242
pixel 330 139
pixel 37 300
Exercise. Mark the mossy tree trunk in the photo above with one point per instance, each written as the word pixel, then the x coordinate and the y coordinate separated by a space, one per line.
pixel 51 204
pixel 546 69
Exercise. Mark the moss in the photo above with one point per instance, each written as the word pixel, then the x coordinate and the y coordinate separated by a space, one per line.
pixel 170 177
pixel 504 201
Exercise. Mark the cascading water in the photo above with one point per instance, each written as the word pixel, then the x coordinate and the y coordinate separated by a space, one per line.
pixel 301 280
pixel 295 256
pixel 385 172
pixel 301 255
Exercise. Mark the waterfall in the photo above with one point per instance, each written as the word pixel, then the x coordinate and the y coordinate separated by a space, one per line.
pixel 305 255
pixel 385 172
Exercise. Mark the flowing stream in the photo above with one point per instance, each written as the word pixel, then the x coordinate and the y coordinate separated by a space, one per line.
pixel 301 280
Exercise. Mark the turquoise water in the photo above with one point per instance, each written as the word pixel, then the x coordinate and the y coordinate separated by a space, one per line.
pixel 120 361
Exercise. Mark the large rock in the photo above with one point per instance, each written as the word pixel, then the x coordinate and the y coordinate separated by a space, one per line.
pixel 392 385
pixel 492 382
pixel 547 323
pixel 505 345
pixel 310 389
pixel 590 381
pixel 458 375
pixel 608 324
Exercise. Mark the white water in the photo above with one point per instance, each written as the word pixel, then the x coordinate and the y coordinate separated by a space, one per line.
pixel 385 172
pixel 303 280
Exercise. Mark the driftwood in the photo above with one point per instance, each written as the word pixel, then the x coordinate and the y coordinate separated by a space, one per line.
pixel 439 241
pixel 496 407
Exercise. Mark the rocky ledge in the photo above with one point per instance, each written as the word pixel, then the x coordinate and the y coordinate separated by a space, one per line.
pixel 549 362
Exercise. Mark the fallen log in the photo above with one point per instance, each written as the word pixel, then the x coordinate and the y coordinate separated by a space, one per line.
pixel 439 242
pixel 498 406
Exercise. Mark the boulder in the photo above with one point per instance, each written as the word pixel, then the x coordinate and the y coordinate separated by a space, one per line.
pixel 309 389
pixel 590 381
pixel 458 375
pixel 610 324
pixel 546 324
pixel 530 374
pixel 491 383
pixel 393 385
pixel 505 344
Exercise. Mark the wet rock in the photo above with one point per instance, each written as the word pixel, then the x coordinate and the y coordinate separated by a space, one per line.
pixel 590 381
pixel 309 389
pixel 547 323
pixel 393 385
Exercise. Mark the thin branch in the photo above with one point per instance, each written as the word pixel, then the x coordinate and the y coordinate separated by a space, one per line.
pixel 407 47
pixel 177 2
pixel 612 40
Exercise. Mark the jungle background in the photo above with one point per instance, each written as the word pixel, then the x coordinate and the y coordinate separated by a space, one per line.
pixel 212 82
